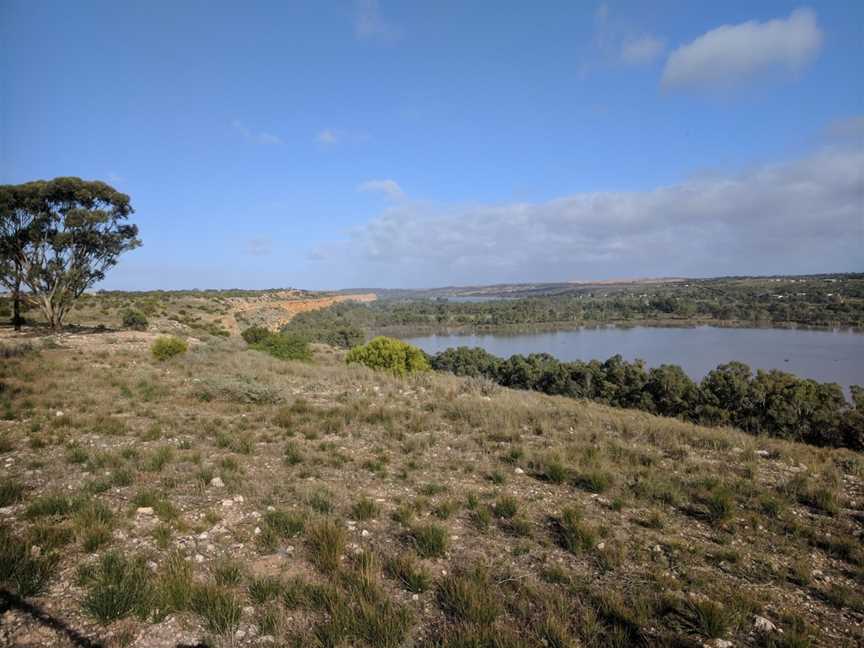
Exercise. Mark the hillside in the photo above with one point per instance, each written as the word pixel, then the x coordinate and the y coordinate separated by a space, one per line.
pixel 227 497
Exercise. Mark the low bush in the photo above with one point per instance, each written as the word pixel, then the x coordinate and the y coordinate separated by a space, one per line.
pixel 389 354
pixel 279 345
pixel 135 320
pixel 168 347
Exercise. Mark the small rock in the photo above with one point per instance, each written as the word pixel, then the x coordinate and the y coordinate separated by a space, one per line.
pixel 238 499
pixel 601 546
pixel 227 502
pixel 217 482
pixel 257 530
pixel 59 413
pixel 199 558
pixel 240 634
pixel 144 510
pixel 761 624
pixel 415 597
pixel 519 471
pixel 762 453
pixel 364 533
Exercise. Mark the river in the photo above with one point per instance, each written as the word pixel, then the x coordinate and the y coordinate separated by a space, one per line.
pixel 827 356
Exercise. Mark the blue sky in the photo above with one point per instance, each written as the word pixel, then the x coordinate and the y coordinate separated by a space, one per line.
pixel 342 144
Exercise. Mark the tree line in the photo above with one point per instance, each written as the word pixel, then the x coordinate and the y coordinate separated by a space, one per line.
pixel 836 300
pixel 773 403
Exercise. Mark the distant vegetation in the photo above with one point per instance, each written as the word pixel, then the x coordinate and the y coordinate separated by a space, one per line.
pixel 773 402
pixel 390 355
pixel 829 300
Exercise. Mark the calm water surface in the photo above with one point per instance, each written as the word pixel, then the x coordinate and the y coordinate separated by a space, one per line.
pixel 826 356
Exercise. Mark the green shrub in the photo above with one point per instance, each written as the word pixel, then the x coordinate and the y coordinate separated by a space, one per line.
pixel 255 335
pixel 283 346
pixel 168 347
pixel 389 354
pixel 135 320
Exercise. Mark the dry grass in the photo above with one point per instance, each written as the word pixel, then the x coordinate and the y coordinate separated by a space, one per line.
pixel 371 510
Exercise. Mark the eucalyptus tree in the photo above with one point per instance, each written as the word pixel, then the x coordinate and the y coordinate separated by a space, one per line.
pixel 60 237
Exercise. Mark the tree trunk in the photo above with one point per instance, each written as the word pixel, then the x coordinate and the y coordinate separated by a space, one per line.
pixel 16 309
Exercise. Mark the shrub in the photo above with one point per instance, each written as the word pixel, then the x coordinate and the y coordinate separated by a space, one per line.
pixel 255 335
pixel 391 355
pixel 283 346
pixel 168 347
pixel 135 320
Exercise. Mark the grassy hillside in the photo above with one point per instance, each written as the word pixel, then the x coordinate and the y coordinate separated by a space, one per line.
pixel 227 497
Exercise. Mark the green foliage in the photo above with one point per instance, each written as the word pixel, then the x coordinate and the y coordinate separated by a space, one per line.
pixel 24 570
pixel 167 347
pixel 255 335
pixel 117 586
pixel 279 345
pixel 389 354
pixel 135 320
pixel 59 237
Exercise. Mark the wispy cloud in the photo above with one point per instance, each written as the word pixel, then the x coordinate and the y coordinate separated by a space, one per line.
pixel 331 137
pixel 256 136
pixel 262 246
pixel 388 187
pixel 732 54
pixel 613 42
pixel 644 49
pixel 369 24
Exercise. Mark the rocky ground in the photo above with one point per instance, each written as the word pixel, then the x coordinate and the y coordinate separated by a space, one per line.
pixel 226 498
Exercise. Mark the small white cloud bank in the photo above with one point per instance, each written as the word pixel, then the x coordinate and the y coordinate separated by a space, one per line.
pixel 733 54
pixel 800 216
pixel 642 50
pixel 389 188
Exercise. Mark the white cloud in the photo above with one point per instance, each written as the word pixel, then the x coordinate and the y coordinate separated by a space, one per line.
pixel 641 50
pixel 388 187
pixel 731 54
pixel 258 137
pixel 369 24
pixel 801 216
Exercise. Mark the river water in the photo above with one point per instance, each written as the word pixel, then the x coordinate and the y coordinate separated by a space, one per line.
pixel 826 356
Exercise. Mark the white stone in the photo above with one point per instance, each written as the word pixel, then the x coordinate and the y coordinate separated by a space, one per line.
pixel 217 482
pixel 227 502
pixel 257 530
pixel 519 471
pixel 415 597
pixel 761 624
pixel 199 558
pixel 144 510
pixel 364 533
pixel 238 499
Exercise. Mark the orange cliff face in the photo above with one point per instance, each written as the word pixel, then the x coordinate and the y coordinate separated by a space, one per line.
pixel 279 308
